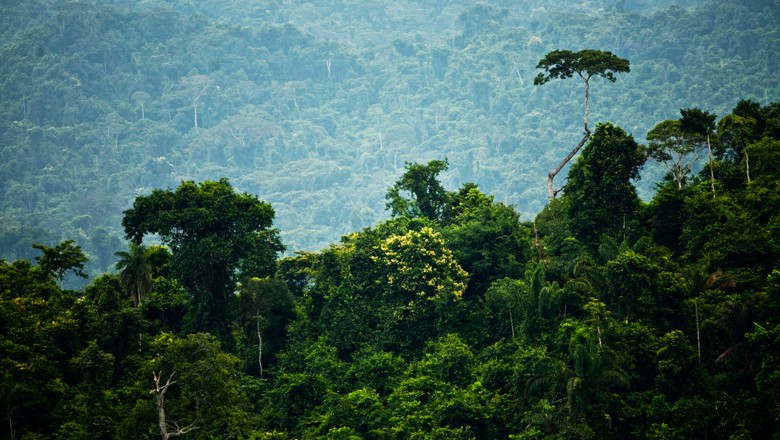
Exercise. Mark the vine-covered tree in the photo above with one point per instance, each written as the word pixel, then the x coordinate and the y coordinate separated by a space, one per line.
pixel 587 63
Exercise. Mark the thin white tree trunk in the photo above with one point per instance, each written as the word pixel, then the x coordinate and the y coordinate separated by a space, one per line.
pixel 259 347
pixel 512 323
pixel 698 334
pixel 712 172
pixel 165 434
pixel 551 191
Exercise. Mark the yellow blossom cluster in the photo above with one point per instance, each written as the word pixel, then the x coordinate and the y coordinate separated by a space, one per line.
pixel 419 262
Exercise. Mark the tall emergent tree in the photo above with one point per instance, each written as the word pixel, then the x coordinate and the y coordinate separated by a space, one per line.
pixel 193 88
pixel 215 235
pixel 586 64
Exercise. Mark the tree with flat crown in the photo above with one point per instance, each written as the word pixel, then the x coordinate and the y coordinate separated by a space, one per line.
pixel 587 63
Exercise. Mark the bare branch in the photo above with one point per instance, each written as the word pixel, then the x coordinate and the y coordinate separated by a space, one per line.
pixel 167 430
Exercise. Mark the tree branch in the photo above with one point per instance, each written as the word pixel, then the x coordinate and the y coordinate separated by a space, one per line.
pixel 167 431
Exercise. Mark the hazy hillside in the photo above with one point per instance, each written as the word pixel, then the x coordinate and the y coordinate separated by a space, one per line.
pixel 316 106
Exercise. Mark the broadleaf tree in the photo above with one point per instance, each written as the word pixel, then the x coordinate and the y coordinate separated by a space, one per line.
pixel 587 63
pixel 696 121
pixel 426 195
pixel 602 198
pixel 674 148
pixel 215 235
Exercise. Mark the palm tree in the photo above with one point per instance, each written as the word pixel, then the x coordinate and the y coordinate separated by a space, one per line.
pixel 578 385
pixel 529 302
pixel 135 272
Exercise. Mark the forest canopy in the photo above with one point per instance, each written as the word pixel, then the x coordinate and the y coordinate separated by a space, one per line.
pixel 176 176
pixel 605 317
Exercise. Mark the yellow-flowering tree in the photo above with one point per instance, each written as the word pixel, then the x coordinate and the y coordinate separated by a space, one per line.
pixel 422 280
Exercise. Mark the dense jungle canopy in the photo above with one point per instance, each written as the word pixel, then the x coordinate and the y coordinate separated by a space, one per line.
pixel 298 220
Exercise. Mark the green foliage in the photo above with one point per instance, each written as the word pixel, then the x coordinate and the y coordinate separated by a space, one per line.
pixel 581 384
pixel 562 64
pixel 207 388
pixel 135 272
pixel 666 215
pixel 530 305
pixel 447 321
pixel 674 148
pixel 38 329
pixel 265 307
pixel 214 234
pixel 422 280
pixel 640 286
pixel 62 258
pixel 697 121
pixel 602 198
pixel 486 238
pixel 100 101
pixel 765 155
pixel 426 195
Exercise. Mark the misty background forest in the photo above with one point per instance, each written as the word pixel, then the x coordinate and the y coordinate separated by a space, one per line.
pixel 315 107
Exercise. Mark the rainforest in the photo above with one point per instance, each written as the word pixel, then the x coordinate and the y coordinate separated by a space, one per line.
pixel 384 220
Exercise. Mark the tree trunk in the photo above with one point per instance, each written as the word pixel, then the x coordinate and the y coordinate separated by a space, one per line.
pixel 698 334
pixel 512 323
pixel 538 244
pixel 598 332
pixel 712 172
pixel 551 191
pixel 11 429
pixel 679 175
pixel 161 404
pixel 160 391
pixel 259 347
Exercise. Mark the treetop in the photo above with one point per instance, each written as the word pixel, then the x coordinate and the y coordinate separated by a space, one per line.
pixel 586 63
